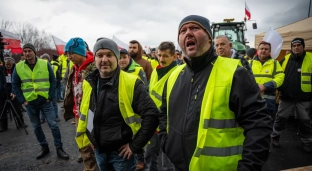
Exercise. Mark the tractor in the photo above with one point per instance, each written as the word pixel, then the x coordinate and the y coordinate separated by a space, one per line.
pixel 235 31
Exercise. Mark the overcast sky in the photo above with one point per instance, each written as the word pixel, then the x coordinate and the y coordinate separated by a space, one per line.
pixel 148 21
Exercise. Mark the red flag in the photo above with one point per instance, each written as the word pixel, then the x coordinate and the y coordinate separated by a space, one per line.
pixel 59 44
pixel 14 43
pixel 247 11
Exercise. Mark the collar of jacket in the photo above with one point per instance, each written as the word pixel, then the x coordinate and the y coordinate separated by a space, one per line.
pixel 131 66
pixel 196 64
pixel 257 58
pixel 26 62
pixel 297 57
pixel 164 70
pixel 94 76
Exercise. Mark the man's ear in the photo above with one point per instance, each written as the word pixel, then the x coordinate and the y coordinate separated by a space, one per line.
pixel 231 44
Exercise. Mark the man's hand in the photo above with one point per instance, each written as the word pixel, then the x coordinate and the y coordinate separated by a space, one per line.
pixel 25 103
pixel 262 88
pixel 92 146
pixel 12 95
pixel 125 151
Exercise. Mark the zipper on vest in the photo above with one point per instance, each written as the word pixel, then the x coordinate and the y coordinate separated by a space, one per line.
pixel 195 98
pixel 184 122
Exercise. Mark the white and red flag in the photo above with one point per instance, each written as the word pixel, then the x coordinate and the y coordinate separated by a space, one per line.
pixel 14 42
pixel 121 44
pixel 247 11
pixel 59 44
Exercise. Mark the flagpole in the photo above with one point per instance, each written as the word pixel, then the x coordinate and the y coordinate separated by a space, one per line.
pixel 309 13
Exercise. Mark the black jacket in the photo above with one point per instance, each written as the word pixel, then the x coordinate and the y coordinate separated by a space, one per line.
pixel 243 60
pixel 7 86
pixel 2 82
pixel 110 131
pixel 184 114
pixel 291 87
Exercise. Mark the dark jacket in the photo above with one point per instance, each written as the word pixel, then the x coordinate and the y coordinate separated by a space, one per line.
pixel 8 86
pixel 184 114
pixel 243 60
pixel 291 87
pixel 110 131
pixel 17 83
pixel 2 82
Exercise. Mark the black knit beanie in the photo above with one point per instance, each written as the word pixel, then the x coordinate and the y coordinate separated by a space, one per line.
pixel 201 21
pixel 298 40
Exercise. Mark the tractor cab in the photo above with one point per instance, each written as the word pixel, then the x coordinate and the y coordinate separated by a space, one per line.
pixel 233 30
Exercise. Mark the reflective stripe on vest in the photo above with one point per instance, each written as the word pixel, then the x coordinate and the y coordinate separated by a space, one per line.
pixel 220 139
pixel 265 96
pixel 263 73
pixel 34 82
pixel 306 71
pixel 156 86
pixel 125 96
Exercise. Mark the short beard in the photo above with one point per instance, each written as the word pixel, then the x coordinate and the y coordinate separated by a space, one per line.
pixel 133 55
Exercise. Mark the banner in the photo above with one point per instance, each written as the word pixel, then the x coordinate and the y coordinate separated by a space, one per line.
pixel 59 44
pixel 14 41
pixel 276 41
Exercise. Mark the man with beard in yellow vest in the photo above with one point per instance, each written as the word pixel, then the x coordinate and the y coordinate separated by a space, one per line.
pixel 117 115
pixel 212 115
pixel 167 64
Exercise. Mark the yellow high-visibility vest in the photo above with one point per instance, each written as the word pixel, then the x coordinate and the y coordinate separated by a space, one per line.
pixel 156 86
pixel 63 62
pixel 34 82
pixel 306 71
pixel 125 96
pixel 55 66
pixel 220 139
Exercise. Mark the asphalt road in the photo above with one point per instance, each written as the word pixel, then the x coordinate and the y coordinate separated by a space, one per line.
pixel 18 151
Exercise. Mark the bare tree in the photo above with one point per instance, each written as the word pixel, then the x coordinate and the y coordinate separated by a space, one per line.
pixel 30 34
pixel 6 24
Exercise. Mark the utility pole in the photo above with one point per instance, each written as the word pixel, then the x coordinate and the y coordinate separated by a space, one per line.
pixel 309 9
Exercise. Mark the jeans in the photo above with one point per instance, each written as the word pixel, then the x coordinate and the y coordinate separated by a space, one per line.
pixel 33 110
pixel 113 162
pixel 55 107
pixel 58 91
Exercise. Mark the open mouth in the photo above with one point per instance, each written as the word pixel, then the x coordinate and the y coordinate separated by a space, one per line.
pixel 190 43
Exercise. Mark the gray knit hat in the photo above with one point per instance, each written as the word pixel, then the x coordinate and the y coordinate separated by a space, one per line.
pixel 107 44
pixel 45 55
pixel 29 45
